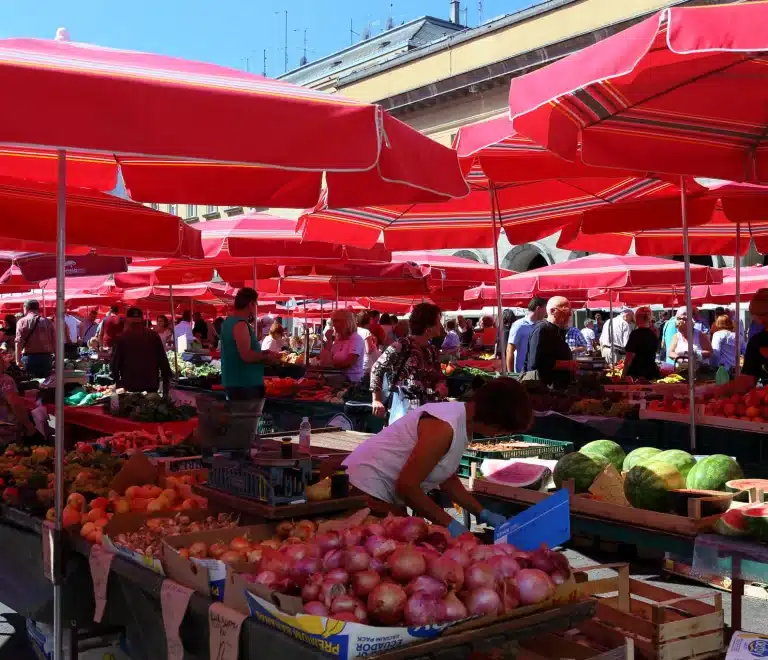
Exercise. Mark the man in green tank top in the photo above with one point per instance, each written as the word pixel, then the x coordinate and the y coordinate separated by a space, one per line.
pixel 242 361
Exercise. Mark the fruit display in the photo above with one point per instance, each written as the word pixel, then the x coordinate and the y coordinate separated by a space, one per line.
pixel 607 449
pixel 287 357
pixel 581 468
pixel 671 379
pixel 638 456
pixel 125 441
pixel 752 406
pixel 280 388
pixel 395 571
pixel 713 472
pixel 647 484
pixel 520 474
pixel 149 407
pixel 604 408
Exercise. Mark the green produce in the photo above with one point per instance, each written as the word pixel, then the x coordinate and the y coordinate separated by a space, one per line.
pixel 732 523
pixel 647 485
pixel 581 468
pixel 712 473
pixel 678 458
pixel 608 449
pixel 756 517
pixel 639 455
pixel 149 407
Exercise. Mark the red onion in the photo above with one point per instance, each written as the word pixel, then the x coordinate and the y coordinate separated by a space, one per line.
pixel 458 555
pixel 295 552
pixel 437 540
pixel 561 564
pixel 364 582
pixel 406 564
pixel 446 570
pixel 273 560
pixel 337 575
pixel 392 524
pixel 423 610
pixel 510 596
pixel 303 568
pixel 315 607
pixel 506 548
pixel 541 560
pixel 356 559
pixel 427 585
pixel 352 617
pixel 427 550
pixel 453 608
pixel 482 601
pixel 267 578
pixel 411 530
pixel 310 591
pixel 327 541
pixel 349 604
pixel 379 546
pixel 332 559
pixel 483 553
pixel 503 566
pixel 479 575
pixel 386 603
pixel 378 565
pixel 467 541
pixel 375 529
pixel 330 589
pixel 522 558
pixel 559 578
pixel 352 536
pixel 534 586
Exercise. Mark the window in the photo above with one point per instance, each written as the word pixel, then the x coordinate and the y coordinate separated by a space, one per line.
pixel 191 210
pixel 210 209
pixel 172 209
pixel 155 206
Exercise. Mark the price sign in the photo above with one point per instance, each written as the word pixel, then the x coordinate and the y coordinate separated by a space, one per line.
pixel 100 561
pixel 224 631
pixel 174 599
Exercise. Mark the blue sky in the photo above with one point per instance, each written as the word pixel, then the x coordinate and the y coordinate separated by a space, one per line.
pixel 226 32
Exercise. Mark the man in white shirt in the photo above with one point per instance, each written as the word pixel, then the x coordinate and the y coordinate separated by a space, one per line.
pixel 71 335
pixel 184 329
pixel 615 334
pixel 588 332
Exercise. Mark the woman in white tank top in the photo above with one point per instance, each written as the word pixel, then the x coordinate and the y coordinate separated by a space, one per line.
pixel 422 451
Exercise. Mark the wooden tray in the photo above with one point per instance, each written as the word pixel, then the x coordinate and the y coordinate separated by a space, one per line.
pixel 667 522
pixel 282 511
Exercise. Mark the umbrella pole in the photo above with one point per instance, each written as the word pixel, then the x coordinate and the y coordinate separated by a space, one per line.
pixel 56 554
pixel 497 274
pixel 610 325
pixel 689 309
pixel 173 333
pixel 739 338
pixel 256 315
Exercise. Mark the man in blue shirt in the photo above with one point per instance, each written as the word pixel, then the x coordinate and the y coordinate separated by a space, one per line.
pixel 520 333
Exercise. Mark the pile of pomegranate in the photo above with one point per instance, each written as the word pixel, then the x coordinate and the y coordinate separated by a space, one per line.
pixel 403 571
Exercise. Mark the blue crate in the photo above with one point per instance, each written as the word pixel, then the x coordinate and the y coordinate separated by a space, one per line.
pixel 270 484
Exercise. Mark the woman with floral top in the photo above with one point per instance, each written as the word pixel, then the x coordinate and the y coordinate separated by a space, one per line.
pixel 413 366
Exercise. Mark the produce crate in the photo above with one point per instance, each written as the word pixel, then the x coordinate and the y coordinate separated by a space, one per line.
pixel 274 484
pixel 545 448
pixel 662 624
pixel 576 643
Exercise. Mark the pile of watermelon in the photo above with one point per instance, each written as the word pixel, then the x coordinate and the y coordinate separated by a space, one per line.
pixel 583 466
pixel 750 520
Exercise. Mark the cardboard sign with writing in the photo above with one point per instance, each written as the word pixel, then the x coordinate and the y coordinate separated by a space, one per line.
pixel 100 561
pixel 609 487
pixel 548 522
pixel 138 470
pixel 174 599
pixel 224 631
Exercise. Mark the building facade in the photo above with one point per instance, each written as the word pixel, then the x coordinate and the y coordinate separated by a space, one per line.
pixel 462 76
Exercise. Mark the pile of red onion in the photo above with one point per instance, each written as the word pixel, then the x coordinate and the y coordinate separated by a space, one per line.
pixel 403 571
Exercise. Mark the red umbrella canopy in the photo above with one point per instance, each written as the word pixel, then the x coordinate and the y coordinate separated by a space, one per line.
pixel 683 92
pixel 30 268
pixel 95 222
pixel 607 272
pixel 450 270
pixel 343 286
pixel 153 272
pixel 752 280
pixel 277 139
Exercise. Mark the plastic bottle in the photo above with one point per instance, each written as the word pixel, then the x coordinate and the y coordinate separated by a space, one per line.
pixel 305 435
pixel 722 377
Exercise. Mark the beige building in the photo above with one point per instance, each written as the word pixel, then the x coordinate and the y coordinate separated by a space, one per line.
pixel 197 212
pixel 438 75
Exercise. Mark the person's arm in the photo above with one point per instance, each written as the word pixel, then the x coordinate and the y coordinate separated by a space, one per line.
pixel 18 344
pixel 460 495
pixel 510 358
pixel 717 339
pixel 242 338
pixel 382 366
pixel 434 441
pixel 706 346
pixel 673 349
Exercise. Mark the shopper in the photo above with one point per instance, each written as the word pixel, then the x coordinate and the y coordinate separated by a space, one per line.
pixel 71 335
pixel 371 345
pixel 466 331
pixel 35 341
pixel 520 334
pixel 451 342
pixel 588 333
pixel 576 341
pixel 386 324
pixel 549 358
pixel 642 348
pixel 273 342
pixel 139 362
pixel 110 328
pixel 346 351
pixel 422 450
pixel 486 336
pixel 242 363
pixel 184 328
pixel 702 348
pixel 724 343
pixel 89 328
pixel 12 408
pixel 413 367
pixel 199 328
pixel 615 334
pixel 375 328
pixel 162 327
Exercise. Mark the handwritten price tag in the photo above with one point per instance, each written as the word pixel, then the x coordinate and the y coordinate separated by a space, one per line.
pixel 100 561
pixel 174 599
pixel 224 630
pixel 609 486
pixel 48 549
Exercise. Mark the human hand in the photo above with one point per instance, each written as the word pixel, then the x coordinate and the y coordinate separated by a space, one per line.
pixel 379 410
pixel 441 389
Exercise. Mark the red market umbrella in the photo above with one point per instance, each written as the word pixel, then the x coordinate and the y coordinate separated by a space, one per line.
pixel 30 268
pixel 450 270
pixel 751 280
pixel 275 139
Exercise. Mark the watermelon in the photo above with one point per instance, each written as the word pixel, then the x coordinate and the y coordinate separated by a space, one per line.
pixel 583 469
pixel 732 523
pixel 713 472
pixel 756 517
pixel 522 475
pixel 742 486
pixel 680 459
pixel 647 485
pixel 638 456
pixel 607 449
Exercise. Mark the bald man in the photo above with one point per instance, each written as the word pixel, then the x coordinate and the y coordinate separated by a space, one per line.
pixel 548 353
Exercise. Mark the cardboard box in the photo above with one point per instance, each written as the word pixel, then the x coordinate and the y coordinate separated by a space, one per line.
pixel 747 646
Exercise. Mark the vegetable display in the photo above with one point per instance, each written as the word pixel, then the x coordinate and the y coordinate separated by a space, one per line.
pixel 149 407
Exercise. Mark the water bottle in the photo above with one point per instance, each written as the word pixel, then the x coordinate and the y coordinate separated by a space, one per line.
pixel 305 435
pixel 722 377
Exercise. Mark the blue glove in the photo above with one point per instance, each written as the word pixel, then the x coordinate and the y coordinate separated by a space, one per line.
pixel 491 518
pixel 456 529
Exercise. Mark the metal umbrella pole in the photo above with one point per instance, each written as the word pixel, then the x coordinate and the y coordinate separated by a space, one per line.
pixel 173 331
pixel 739 338
pixel 256 289
pixel 497 274
pixel 56 554
pixel 689 309
pixel 610 327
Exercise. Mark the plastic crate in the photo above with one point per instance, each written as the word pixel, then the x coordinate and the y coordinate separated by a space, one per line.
pixel 273 484
pixel 224 425
pixel 546 449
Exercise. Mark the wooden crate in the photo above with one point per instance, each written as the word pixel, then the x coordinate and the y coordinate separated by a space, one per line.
pixel 557 646
pixel 662 624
